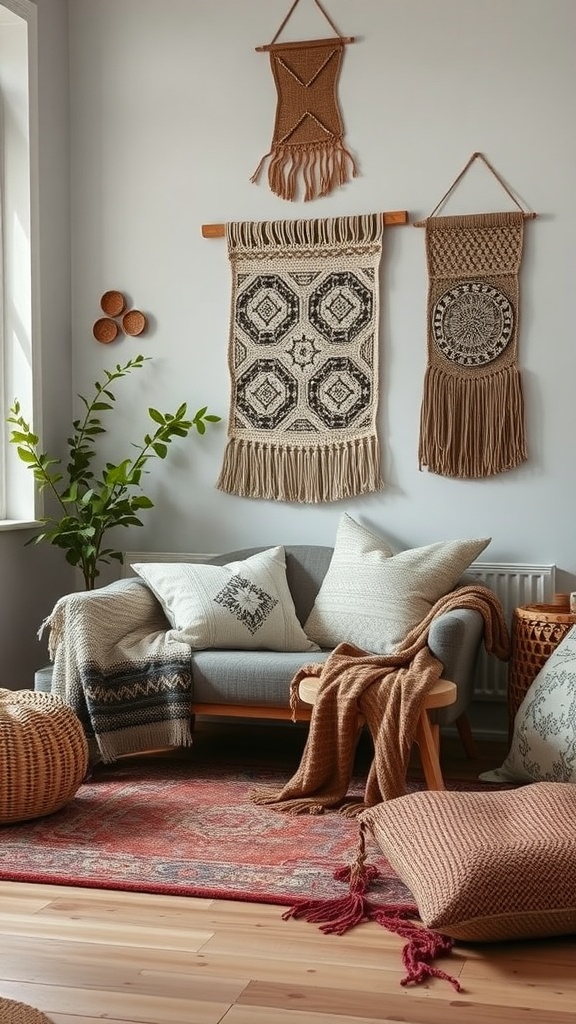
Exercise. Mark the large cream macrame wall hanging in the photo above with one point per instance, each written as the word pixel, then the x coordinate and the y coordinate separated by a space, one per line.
pixel 308 149
pixel 303 359
pixel 472 413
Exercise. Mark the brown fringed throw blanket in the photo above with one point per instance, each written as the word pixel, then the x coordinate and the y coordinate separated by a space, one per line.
pixel 303 359
pixel 472 414
pixel 388 690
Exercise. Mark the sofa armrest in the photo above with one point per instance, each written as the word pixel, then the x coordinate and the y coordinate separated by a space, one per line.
pixel 455 638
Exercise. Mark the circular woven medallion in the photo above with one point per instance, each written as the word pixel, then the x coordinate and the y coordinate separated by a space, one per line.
pixel 472 323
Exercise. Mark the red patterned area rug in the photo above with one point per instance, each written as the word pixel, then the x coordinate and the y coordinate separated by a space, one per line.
pixel 189 829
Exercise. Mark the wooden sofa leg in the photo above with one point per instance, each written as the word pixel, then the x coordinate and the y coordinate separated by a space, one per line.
pixel 429 754
pixel 466 737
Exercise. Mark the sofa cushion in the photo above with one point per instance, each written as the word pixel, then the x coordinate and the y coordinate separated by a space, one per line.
pixel 259 678
pixel 544 739
pixel 372 597
pixel 485 866
pixel 242 605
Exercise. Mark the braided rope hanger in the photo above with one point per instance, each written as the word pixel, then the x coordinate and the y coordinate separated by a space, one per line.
pixel 527 214
pixel 343 39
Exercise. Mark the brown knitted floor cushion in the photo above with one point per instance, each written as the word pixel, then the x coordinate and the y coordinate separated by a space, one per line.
pixel 485 866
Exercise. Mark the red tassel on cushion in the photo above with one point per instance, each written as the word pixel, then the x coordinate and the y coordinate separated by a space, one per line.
pixel 336 916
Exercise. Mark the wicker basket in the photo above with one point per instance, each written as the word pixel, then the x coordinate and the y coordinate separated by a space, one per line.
pixel 43 754
pixel 133 322
pixel 537 629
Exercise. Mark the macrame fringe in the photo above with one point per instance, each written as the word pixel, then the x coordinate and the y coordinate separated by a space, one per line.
pixel 270 235
pixel 319 168
pixel 336 916
pixel 472 426
pixel 252 469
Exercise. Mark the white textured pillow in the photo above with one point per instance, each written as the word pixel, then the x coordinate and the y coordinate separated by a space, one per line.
pixel 543 745
pixel 242 605
pixel 372 598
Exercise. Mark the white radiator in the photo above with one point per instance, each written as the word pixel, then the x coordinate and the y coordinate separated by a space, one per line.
pixel 515 584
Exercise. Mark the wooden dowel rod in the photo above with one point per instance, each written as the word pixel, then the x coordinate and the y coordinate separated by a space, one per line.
pixel 337 40
pixel 422 223
pixel 391 218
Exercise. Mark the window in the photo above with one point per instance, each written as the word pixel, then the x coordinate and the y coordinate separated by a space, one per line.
pixel 17 21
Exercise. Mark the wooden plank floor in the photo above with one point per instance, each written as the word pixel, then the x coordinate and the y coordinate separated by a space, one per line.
pixel 83 956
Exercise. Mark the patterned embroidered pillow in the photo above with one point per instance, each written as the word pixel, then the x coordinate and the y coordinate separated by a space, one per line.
pixel 372 597
pixel 544 740
pixel 485 866
pixel 242 605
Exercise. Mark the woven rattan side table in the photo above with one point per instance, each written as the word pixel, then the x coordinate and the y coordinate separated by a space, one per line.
pixel 43 754
pixel 537 629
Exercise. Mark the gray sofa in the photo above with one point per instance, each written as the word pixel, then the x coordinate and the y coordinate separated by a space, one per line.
pixel 255 684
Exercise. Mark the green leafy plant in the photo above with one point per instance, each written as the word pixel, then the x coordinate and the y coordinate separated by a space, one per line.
pixel 91 505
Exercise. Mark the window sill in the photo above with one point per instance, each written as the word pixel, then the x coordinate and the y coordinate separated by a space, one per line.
pixel 18 524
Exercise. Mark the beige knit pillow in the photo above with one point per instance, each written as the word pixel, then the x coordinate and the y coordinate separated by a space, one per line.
pixel 372 597
pixel 485 866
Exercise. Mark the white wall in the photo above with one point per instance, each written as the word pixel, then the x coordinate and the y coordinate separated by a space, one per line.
pixel 172 109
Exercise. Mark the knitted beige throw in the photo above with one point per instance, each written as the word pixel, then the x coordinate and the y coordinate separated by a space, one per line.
pixel 303 359
pixel 389 691
pixel 472 413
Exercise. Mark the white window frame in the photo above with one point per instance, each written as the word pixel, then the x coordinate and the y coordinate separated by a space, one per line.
pixel 19 503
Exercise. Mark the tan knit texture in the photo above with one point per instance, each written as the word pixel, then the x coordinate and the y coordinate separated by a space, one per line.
pixel 308 152
pixel 389 691
pixel 472 413
pixel 13 1012
pixel 485 866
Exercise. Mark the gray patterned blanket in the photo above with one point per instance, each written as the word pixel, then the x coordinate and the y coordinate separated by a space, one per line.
pixel 118 668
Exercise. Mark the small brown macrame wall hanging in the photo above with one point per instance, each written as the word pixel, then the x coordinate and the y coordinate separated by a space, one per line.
pixel 308 151
pixel 472 412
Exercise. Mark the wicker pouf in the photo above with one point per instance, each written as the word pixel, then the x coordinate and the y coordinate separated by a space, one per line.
pixel 43 754
pixel 537 629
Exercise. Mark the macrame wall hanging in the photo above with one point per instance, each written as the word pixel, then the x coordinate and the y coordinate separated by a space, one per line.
pixel 308 151
pixel 303 359
pixel 472 412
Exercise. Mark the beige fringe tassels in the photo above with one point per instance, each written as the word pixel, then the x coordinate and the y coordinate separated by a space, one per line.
pixel 472 413
pixel 303 359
